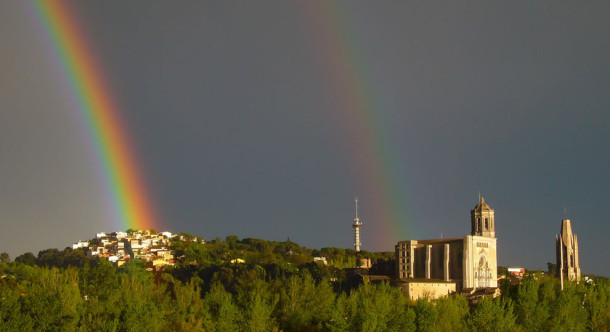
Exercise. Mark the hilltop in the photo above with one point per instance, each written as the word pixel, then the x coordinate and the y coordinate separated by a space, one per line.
pixel 164 250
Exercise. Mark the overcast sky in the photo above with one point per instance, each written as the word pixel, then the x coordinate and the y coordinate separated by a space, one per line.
pixel 264 119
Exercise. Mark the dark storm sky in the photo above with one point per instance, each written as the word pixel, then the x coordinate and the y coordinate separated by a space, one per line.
pixel 234 112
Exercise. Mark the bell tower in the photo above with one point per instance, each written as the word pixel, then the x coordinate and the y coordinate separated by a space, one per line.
pixel 482 219
pixel 567 254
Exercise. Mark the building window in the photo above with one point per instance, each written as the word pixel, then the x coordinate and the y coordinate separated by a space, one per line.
pixel 486 224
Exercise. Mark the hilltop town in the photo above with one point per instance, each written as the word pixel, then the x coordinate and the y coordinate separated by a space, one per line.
pixel 147 245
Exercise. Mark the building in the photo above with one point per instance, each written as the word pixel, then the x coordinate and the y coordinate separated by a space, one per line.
pixel 439 267
pixel 422 288
pixel 517 272
pixel 567 253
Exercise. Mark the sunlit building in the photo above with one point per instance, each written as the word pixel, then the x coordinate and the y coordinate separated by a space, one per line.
pixel 567 254
pixel 437 267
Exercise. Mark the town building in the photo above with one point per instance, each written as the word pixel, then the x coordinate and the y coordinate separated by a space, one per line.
pixel 516 272
pixel 437 267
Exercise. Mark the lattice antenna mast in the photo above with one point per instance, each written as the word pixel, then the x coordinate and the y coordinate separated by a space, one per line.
pixel 356 227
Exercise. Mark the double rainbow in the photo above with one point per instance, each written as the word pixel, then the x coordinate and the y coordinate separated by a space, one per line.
pixel 356 100
pixel 99 114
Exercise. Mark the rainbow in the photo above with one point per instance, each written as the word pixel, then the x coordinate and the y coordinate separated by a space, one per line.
pixel 360 109
pixel 131 207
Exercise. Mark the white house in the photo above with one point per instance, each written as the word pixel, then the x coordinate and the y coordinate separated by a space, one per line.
pixel 80 244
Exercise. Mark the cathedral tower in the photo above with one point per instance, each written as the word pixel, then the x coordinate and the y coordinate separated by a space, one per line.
pixel 567 254
pixel 482 220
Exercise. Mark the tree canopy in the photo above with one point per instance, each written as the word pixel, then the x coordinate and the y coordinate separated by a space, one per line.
pixel 278 287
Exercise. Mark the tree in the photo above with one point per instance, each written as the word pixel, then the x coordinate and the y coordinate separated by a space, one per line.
pixel 100 286
pixel 339 317
pixel 225 314
pixel 232 241
pixel 28 258
pixel 50 257
pixel 569 313
pixel 452 313
pixel 303 304
pixel 493 315
pixel 532 315
pixel 427 315
pixel 139 297
pixel 258 304
pixel 4 258
pixel 597 303
pixel 190 311
pixel 379 308
pixel 51 299
pixel 12 315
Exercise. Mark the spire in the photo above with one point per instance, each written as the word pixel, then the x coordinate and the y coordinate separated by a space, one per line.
pixel 567 253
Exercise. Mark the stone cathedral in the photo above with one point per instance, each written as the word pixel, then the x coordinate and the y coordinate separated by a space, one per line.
pixel 468 265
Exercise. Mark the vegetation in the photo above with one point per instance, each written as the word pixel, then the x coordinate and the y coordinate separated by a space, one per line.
pixel 277 288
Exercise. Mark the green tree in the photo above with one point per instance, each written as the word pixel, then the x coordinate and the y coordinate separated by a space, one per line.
pixel 532 313
pixel 378 308
pixel 13 317
pixel 258 304
pixel 493 315
pixel 101 289
pixel 28 258
pixel 427 315
pixel 5 258
pixel 452 313
pixel 305 305
pixel 339 317
pixel 51 299
pixel 50 257
pixel 569 314
pixel 225 314
pixel 597 303
pixel 139 304
pixel 190 312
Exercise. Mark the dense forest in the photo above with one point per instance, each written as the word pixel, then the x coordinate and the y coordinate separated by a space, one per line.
pixel 278 287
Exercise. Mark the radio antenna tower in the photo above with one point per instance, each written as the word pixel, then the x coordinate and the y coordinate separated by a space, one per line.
pixel 356 227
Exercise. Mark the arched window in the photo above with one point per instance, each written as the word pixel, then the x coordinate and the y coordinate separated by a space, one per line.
pixel 479 224
pixel 486 224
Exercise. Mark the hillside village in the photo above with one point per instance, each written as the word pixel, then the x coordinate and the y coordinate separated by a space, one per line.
pixel 147 245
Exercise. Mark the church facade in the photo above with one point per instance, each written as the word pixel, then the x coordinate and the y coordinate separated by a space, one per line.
pixel 437 267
